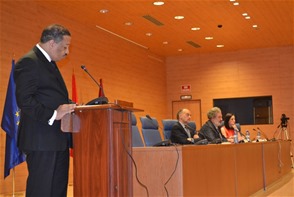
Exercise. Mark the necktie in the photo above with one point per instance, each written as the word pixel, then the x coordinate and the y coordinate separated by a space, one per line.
pixel 54 65
pixel 219 133
pixel 187 131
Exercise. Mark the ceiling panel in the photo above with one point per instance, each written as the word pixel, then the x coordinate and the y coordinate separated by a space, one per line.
pixel 273 17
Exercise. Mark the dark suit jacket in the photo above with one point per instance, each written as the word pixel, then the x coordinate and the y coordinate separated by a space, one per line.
pixel 209 132
pixel 179 135
pixel 40 89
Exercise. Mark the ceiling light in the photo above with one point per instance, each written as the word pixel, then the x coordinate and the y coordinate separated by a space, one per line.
pixel 244 14
pixel 179 17
pixel 103 11
pixel 247 17
pixel 128 23
pixel 208 38
pixel 255 26
pixel 195 28
pixel 158 3
pixel 148 34
pixel 165 42
pixel 220 45
pixel 232 0
pixel 180 50
pixel 236 3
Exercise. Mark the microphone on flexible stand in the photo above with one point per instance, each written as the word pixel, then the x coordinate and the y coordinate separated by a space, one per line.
pixel 236 128
pixel 257 139
pixel 263 134
pixel 190 128
pixel 99 100
pixel 166 142
pixel 149 117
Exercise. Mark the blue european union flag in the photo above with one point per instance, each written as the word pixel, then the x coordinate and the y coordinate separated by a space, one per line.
pixel 10 121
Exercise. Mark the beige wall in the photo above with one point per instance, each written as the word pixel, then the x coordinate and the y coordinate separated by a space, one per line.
pixel 133 74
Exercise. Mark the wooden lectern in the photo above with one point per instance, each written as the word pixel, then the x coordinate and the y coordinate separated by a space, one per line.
pixel 101 164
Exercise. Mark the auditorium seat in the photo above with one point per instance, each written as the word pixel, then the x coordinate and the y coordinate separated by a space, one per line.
pixel 150 131
pixel 167 126
pixel 136 137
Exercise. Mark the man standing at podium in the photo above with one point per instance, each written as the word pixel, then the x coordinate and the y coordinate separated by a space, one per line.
pixel 43 99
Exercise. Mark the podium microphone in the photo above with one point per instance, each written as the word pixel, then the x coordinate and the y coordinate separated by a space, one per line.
pixel 99 100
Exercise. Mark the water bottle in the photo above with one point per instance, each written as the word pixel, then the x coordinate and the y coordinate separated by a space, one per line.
pixel 236 136
pixel 247 136
pixel 258 136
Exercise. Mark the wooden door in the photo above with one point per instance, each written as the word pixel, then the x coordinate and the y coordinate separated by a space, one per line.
pixel 193 105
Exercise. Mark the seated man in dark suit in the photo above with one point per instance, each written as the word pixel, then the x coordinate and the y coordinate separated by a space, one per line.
pixel 181 133
pixel 210 130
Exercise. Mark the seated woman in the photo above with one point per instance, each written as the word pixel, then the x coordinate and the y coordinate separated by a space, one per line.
pixel 229 127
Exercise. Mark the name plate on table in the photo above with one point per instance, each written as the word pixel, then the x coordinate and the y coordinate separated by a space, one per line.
pixel 70 123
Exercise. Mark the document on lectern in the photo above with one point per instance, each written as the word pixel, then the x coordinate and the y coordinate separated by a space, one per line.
pixel 70 123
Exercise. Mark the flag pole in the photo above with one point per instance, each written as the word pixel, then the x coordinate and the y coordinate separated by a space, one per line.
pixel 13 182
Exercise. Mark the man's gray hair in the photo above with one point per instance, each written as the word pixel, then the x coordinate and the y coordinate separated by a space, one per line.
pixel 212 112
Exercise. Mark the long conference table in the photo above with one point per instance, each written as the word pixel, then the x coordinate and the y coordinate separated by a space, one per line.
pixel 209 170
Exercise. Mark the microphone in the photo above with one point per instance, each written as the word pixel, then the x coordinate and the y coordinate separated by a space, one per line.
pixel 99 100
pixel 236 129
pixel 257 140
pixel 263 134
pixel 166 142
pixel 149 117
pixel 191 129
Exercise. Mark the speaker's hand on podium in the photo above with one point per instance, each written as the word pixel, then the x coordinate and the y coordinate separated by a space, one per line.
pixel 64 109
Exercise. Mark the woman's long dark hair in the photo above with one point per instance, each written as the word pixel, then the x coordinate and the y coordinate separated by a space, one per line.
pixel 227 119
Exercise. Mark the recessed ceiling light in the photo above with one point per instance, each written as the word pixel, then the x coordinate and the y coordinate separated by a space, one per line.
pixel 247 17
pixel 179 17
pixel 128 23
pixel 208 38
pixel 158 3
pixel 103 11
pixel 165 42
pixel 244 14
pixel 236 3
pixel 148 34
pixel 255 26
pixel 195 28
pixel 180 50
pixel 232 0
pixel 220 45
